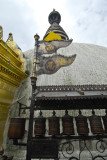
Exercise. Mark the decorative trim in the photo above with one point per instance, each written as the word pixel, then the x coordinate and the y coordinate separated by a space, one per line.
pixel 11 74
pixel 72 88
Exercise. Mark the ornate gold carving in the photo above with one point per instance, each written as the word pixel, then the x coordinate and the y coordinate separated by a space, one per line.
pixel 50 65
pixel 18 51
pixel 10 70
pixel 9 73
pixel 14 47
pixel 9 54
pixel 11 44
pixel 22 65
pixel 4 49
pixel 50 47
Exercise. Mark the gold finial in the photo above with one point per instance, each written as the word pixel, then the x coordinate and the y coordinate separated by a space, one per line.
pixel 1 32
pixel 36 37
pixel 34 74
pixel 10 37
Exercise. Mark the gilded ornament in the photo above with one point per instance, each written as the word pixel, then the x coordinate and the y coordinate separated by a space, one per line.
pixel 36 37
pixel 33 74
pixel 22 63
pixel 50 65
pixel 50 48
pixel 18 51
pixel 14 46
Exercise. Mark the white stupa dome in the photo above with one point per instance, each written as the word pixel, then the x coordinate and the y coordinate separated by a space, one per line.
pixel 89 67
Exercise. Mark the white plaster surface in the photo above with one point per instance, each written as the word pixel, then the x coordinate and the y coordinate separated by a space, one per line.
pixel 89 67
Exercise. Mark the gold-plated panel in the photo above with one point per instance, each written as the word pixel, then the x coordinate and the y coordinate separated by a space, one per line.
pixel 11 71
pixel 9 55
pixel 6 47
pixel 3 117
pixel 7 91
pixel 12 53
pixel 11 44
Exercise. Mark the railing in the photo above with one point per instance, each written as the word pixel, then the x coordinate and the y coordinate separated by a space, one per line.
pixel 67 144
pixel 67 149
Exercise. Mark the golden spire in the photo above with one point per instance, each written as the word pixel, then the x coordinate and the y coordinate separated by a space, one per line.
pixel 10 37
pixel 55 31
pixel 10 41
pixel 13 45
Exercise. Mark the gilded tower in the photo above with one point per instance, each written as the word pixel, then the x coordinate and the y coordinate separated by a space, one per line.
pixel 12 72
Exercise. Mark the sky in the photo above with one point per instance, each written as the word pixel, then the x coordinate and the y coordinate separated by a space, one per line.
pixel 85 21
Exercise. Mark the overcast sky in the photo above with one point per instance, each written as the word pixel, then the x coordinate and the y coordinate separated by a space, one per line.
pixel 83 20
